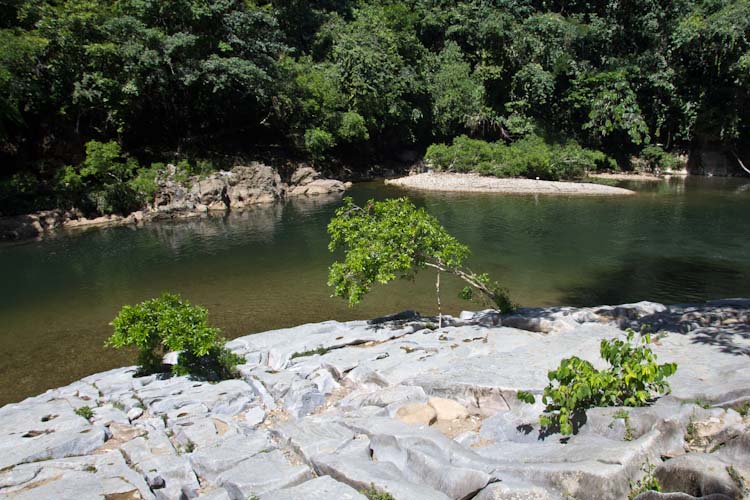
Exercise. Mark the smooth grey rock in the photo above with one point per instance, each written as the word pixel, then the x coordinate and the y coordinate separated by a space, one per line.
pixel 385 396
pixel 320 488
pixel 303 398
pixel 514 489
pixel 254 416
pixel 108 414
pixel 215 494
pixel 225 398
pixel 261 474
pixel 78 478
pixel 360 474
pixel 210 462
pixel 424 456
pixel 314 436
pixel 31 432
pixel 653 495
pixel 697 474
pixel 173 472
pixel 134 413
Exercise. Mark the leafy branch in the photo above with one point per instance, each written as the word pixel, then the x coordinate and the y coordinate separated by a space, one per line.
pixel 393 238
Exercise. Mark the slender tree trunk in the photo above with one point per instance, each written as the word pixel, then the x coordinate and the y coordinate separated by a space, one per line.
pixel 440 308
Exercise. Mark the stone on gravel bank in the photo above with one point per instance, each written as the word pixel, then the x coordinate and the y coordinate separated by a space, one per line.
pixel 328 410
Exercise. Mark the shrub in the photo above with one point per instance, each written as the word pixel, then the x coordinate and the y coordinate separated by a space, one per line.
pixel 145 184
pixel 318 141
pixel 353 127
pixel 101 182
pixel 169 323
pixel 633 379
pixel 529 157
pixel 658 159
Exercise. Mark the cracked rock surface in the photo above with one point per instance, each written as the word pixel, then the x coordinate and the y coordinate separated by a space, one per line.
pixel 332 409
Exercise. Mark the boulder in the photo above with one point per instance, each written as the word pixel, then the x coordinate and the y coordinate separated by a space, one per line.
pixel 318 187
pixel 303 175
pixel 417 413
pixel 211 192
pixel 446 409
pixel 252 185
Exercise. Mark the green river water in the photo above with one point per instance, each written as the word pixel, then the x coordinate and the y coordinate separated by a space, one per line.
pixel 677 241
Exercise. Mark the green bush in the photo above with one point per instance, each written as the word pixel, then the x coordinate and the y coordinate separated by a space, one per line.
pixel 353 127
pixel 169 323
pixel 318 141
pixel 658 159
pixel 101 183
pixel 145 183
pixel 529 157
pixel 633 379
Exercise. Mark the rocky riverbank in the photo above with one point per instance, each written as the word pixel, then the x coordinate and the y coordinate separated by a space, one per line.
pixel 327 410
pixel 224 191
pixel 475 183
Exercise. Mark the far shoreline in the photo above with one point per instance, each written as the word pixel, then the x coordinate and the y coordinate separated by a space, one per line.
pixel 475 183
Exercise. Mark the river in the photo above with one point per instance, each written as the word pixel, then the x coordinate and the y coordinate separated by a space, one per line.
pixel 681 240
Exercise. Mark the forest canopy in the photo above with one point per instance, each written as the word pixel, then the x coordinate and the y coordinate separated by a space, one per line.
pixel 361 80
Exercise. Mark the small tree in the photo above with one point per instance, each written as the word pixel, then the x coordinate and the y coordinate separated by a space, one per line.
pixel 169 323
pixel 634 378
pixel 393 238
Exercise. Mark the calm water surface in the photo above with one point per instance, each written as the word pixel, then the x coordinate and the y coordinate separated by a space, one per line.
pixel 677 241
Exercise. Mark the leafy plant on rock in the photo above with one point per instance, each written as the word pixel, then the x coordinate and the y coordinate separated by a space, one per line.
pixel 648 482
pixel 169 323
pixel 388 239
pixel 85 412
pixel 633 379
pixel 372 493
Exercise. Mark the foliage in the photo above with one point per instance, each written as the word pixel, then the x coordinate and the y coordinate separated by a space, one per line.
pixel 529 157
pixel 457 92
pixel 85 412
pixel 388 239
pixel 526 397
pixel 648 482
pixel 658 159
pixel 372 493
pixel 318 141
pixel 169 323
pixel 101 182
pixel 633 379
pixel 361 80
